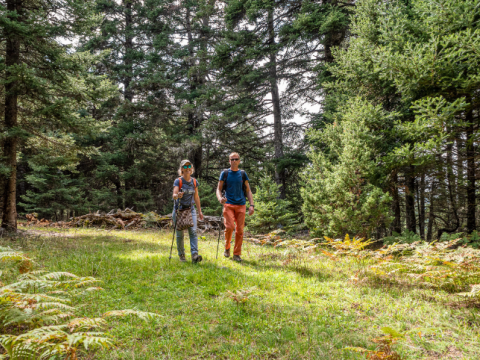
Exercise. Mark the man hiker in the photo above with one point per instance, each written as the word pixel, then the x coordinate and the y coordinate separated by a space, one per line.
pixel 233 183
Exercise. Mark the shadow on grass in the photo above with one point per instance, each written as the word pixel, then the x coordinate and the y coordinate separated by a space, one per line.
pixel 91 243
pixel 303 270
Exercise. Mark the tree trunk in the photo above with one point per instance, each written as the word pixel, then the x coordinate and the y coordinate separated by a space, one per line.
pixel 460 172
pixel 197 79
pixel 410 199
pixel 12 58
pixel 128 61
pixel 451 186
pixel 277 115
pixel 431 216
pixel 128 94
pixel 397 221
pixel 421 210
pixel 118 188
pixel 470 152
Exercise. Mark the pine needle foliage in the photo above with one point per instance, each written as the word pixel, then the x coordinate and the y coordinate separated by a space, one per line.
pixel 339 194
pixel 210 204
pixel 271 212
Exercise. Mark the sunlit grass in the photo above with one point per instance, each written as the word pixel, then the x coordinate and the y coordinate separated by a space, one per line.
pixel 301 307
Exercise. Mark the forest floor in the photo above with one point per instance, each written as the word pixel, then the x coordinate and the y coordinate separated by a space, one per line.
pixel 299 307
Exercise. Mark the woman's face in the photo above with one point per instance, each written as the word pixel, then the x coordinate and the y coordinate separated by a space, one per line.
pixel 188 170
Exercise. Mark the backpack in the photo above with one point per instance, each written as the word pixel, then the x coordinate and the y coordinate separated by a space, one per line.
pixel 180 183
pixel 244 178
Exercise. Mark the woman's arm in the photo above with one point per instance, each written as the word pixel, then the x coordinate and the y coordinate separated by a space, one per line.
pixel 197 202
pixel 176 195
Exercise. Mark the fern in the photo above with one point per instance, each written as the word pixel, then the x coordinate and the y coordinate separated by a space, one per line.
pixel 348 246
pixel 39 303
pixel 432 265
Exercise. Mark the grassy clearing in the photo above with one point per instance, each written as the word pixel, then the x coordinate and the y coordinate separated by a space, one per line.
pixel 302 306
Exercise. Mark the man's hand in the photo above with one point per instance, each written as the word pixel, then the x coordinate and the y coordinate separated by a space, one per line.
pixel 200 215
pixel 251 210
pixel 223 200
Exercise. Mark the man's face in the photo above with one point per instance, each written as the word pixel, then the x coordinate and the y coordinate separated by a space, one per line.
pixel 234 160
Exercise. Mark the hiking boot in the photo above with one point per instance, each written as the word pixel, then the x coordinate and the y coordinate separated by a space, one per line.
pixel 182 258
pixel 196 258
pixel 237 258
pixel 226 253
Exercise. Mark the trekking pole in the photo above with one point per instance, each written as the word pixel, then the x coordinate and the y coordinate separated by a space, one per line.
pixel 175 209
pixel 219 230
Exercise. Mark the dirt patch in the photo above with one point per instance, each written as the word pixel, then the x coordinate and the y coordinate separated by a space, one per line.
pixel 451 353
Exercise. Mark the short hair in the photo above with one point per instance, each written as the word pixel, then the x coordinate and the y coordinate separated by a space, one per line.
pixel 234 153
pixel 180 170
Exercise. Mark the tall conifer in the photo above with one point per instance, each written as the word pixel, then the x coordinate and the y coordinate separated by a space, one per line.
pixel 46 85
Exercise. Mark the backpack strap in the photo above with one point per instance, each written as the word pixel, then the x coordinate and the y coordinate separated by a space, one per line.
pixel 224 188
pixel 244 178
pixel 180 183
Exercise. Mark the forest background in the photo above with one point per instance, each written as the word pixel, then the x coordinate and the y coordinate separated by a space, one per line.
pixel 101 99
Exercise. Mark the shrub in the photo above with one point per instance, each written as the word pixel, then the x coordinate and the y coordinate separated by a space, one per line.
pixel 472 240
pixel 407 237
pixel 208 199
pixel 339 193
pixel 270 211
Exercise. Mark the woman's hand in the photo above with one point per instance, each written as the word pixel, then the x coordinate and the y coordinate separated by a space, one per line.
pixel 177 196
pixel 200 215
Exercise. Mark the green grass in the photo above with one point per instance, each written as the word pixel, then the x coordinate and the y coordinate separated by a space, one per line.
pixel 302 307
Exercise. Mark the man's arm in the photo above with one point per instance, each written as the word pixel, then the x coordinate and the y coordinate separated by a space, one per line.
pixel 251 210
pixel 219 193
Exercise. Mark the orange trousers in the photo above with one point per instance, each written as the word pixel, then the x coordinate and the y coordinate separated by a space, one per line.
pixel 234 219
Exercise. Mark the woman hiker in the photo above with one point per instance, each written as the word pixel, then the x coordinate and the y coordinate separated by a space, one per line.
pixel 185 188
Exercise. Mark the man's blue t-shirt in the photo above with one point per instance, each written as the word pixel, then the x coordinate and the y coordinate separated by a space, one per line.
pixel 234 192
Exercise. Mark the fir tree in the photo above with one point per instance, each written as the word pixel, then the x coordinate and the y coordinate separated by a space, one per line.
pixel 339 197
pixel 271 212
pixel 54 192
pixel 209 201
pixel 46 85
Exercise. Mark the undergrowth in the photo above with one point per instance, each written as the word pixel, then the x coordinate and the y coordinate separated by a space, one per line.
pixel 319 299
pixel 37 318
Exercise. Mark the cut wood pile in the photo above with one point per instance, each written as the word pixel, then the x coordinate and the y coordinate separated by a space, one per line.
pixel 121 219
pixel 32 220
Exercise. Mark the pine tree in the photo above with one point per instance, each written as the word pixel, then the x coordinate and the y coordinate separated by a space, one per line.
pixel 209 201
pixel 54 192
pixel 414 59
pixel 339 197
pixel 271 212
pixel 46 85
pixel 135 162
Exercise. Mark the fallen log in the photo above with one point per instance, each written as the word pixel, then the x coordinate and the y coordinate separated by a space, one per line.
pixel 124 219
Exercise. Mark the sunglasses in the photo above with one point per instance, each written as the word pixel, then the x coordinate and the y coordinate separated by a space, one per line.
pixel 236 159
pixel 187 166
